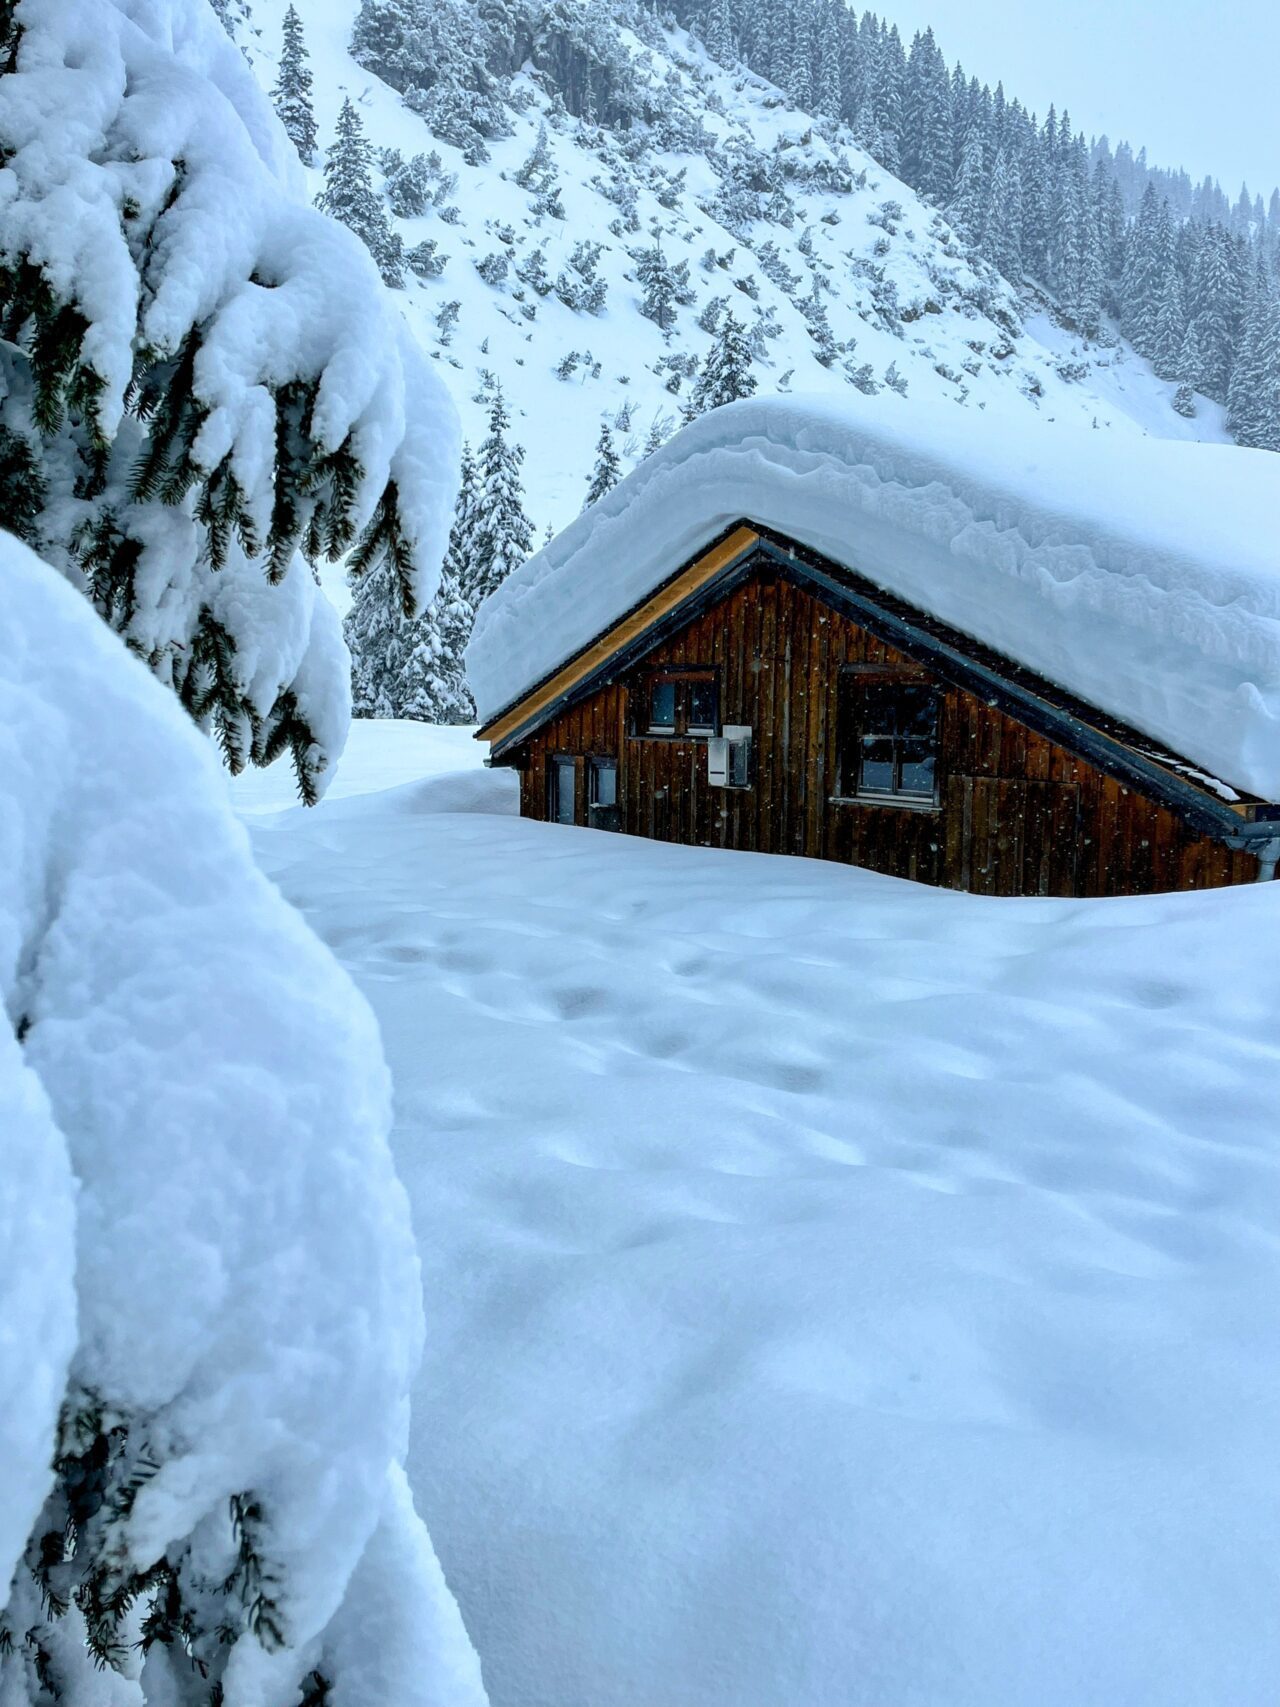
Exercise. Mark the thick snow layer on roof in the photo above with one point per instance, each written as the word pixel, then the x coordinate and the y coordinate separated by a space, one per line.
pixel 1143 576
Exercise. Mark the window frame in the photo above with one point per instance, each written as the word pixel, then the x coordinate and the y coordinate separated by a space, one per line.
pixel 555 764
pixel 852 680
pixel 682 677
pixel 595 763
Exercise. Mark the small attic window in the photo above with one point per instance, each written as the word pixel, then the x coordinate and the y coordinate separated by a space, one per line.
pixel 680 702
pixel 888 738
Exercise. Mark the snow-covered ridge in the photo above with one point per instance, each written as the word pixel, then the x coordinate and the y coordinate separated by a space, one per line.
pixel 1140 574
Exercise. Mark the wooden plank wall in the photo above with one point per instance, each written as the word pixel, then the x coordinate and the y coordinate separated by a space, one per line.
pixel 1018 815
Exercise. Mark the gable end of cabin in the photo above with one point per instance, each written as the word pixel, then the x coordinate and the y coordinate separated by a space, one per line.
pixel 765 699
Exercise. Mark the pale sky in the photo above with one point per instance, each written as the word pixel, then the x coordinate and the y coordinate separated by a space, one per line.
pixel 1198 83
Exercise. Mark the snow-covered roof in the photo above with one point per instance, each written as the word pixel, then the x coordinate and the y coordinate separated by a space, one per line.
pixel 1142 575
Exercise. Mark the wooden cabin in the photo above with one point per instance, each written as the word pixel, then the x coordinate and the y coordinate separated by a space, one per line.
pixel 766 698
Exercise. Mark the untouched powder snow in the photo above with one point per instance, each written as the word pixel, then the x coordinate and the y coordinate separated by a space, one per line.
pixel 248 1293
pixel 842 1293
pixel 1140 574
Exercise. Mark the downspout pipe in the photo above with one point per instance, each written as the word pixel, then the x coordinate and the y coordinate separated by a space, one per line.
pixel 1263 844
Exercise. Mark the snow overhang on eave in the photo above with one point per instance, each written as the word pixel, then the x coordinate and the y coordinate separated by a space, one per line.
pixel 1134 759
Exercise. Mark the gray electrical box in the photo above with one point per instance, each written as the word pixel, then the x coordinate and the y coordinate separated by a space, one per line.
pixel 729 757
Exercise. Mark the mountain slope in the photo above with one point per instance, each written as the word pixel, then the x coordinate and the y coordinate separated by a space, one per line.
pixel 897 289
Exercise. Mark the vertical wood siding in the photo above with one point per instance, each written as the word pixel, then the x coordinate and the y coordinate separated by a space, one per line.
pixel 1018 814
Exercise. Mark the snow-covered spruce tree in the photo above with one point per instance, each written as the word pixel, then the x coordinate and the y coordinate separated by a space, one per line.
pixel 608 469
pixel 349 195
pixel 1253 403
pixel 375 629
pixel 501 536
pixel 433 682
pixel 726 373
pixel 211 1299
pixel 656 437
pixel 291 95
pixel 412 666
pixel 1214 304
pixel 658 283
pixel 435 677
pixel 202 382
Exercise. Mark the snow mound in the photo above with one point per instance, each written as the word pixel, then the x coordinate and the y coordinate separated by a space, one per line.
pixel 1139 574
pixel 485 791
pixel 845 1293
pixel 37 1293
pixel 248 1292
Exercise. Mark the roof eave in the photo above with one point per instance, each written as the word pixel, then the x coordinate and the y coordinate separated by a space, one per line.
pixel 737 553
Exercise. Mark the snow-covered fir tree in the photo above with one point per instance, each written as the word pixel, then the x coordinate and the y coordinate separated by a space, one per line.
pixel 664 285
pixel 349 195
pixel 137 359
pixel 433 683
pixel 1253 402
pixel 412 666
pixel 608 466
pixel 500 535
pixel 726 373
pixel 292 92
pixel 208 1510
pixel 374 629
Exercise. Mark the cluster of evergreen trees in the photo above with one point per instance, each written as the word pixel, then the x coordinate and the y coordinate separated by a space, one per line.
pixel 452 61
pixel 412 666
pixel 1193 279
pixel 406 666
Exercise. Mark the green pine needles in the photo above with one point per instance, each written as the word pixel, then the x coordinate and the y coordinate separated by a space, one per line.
pixel 79 1597
pixel 204 392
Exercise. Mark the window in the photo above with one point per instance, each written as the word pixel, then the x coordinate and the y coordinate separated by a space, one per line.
pixel 562 805
pixel 681 702
pixel 603 782
pixel 888 738
pixel 700 716
pixel 662 706
pixel 603 810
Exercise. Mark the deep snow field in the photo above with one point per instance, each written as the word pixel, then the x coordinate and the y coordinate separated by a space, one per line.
pixel 838 1292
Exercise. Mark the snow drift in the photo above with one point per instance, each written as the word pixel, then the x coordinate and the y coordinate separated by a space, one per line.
pixel 1140 574
pixel 845 1293
pixel 247 1287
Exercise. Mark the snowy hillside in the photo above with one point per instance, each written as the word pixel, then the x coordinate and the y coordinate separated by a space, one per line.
pixel 842 1292
pixel 840 273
